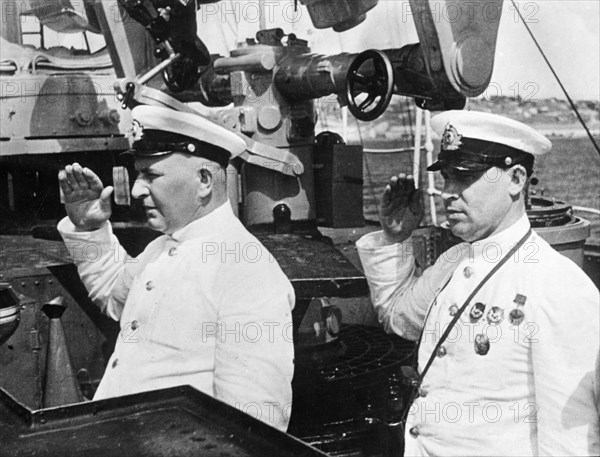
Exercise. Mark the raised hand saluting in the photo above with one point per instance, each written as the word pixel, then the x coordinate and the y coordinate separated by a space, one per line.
pixel 87 201
pixel 400 208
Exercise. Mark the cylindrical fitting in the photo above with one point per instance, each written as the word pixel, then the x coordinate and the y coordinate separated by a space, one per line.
pixel 311 76
pixel 249 62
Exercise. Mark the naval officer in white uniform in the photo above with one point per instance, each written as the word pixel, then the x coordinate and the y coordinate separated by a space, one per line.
pixel 205 304
pixel 517 373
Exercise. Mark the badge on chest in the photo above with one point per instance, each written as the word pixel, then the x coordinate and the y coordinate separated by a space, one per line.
pixel 487 315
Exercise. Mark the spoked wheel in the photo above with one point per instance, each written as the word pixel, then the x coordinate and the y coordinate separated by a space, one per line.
pixel 370 85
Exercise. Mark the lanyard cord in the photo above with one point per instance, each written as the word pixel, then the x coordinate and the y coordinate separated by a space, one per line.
pixel 465 304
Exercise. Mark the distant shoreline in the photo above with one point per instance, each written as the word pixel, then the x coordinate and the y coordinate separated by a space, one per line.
pixel 564 131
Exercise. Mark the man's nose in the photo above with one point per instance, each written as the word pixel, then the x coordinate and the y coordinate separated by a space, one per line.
pixel 449 192
pixel 139 190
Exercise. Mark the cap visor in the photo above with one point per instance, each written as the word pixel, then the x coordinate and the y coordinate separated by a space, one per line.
pixel 137 153
pixel 435 166
pixel 460 165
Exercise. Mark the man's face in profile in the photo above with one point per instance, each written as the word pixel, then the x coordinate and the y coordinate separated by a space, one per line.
pixel 476 202
pixel 168 187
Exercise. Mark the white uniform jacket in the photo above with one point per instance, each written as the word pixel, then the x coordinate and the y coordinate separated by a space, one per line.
pixel 207 306
pixel 497 387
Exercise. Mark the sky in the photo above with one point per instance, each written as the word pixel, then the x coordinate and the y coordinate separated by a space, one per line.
pixel 568 32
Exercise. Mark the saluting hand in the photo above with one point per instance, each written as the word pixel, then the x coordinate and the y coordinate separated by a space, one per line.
pixel 87 201
pixel 400 208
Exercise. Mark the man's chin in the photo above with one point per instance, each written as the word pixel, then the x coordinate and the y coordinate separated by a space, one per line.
pixel 460 231
pixel 156 225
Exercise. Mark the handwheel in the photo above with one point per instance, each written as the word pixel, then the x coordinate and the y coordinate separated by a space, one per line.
pixel 371 73
pixel 181 75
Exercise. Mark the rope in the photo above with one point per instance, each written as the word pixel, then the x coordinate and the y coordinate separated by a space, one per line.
pixel 557 79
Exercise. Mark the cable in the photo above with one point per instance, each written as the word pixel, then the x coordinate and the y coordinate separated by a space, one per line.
pixel 87 43
pixel 557 79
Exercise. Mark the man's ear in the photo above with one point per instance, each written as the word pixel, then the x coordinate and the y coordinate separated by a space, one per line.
pixel 206 182
pixel 518 179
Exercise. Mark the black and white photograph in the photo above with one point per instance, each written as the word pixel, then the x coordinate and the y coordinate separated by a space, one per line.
pixel 296 228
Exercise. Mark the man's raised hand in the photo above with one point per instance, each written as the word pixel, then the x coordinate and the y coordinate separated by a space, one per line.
pixel 400 208
pixel 87 201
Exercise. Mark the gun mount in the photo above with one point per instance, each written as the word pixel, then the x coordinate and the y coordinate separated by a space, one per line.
pixel 271 81
pixel 268 86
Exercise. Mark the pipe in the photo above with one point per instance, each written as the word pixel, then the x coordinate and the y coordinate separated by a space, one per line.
pixel 417 149
pixel 431 189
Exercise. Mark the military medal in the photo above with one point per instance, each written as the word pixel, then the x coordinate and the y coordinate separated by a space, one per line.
pixel 517 315
pixel 495 315
pixel 477 311
pixel 482 344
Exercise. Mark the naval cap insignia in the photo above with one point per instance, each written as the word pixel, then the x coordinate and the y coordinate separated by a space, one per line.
pixel 451 138
pixel 136 132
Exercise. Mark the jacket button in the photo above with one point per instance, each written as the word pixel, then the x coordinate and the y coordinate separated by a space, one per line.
pixel 115 363
pixel 422 392
pixel 173 252
pixel 468 272
pixel 134 325
pixel 149 285
pixel 441 352
pixel 414 431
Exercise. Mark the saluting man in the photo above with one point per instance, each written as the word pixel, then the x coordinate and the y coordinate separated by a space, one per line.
pixel 515 374
pixel 205 304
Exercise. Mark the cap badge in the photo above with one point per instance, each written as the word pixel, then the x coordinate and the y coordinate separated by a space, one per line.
pixel 451 138
pixel 136 132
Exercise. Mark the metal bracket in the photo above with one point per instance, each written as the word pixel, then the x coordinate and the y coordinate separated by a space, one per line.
pixel 265 156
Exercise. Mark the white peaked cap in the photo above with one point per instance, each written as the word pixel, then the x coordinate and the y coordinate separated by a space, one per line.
pixel 155 128
pixel 493 128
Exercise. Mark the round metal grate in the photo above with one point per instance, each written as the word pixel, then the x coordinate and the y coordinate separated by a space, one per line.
pixel 345 392
pixel 364 351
